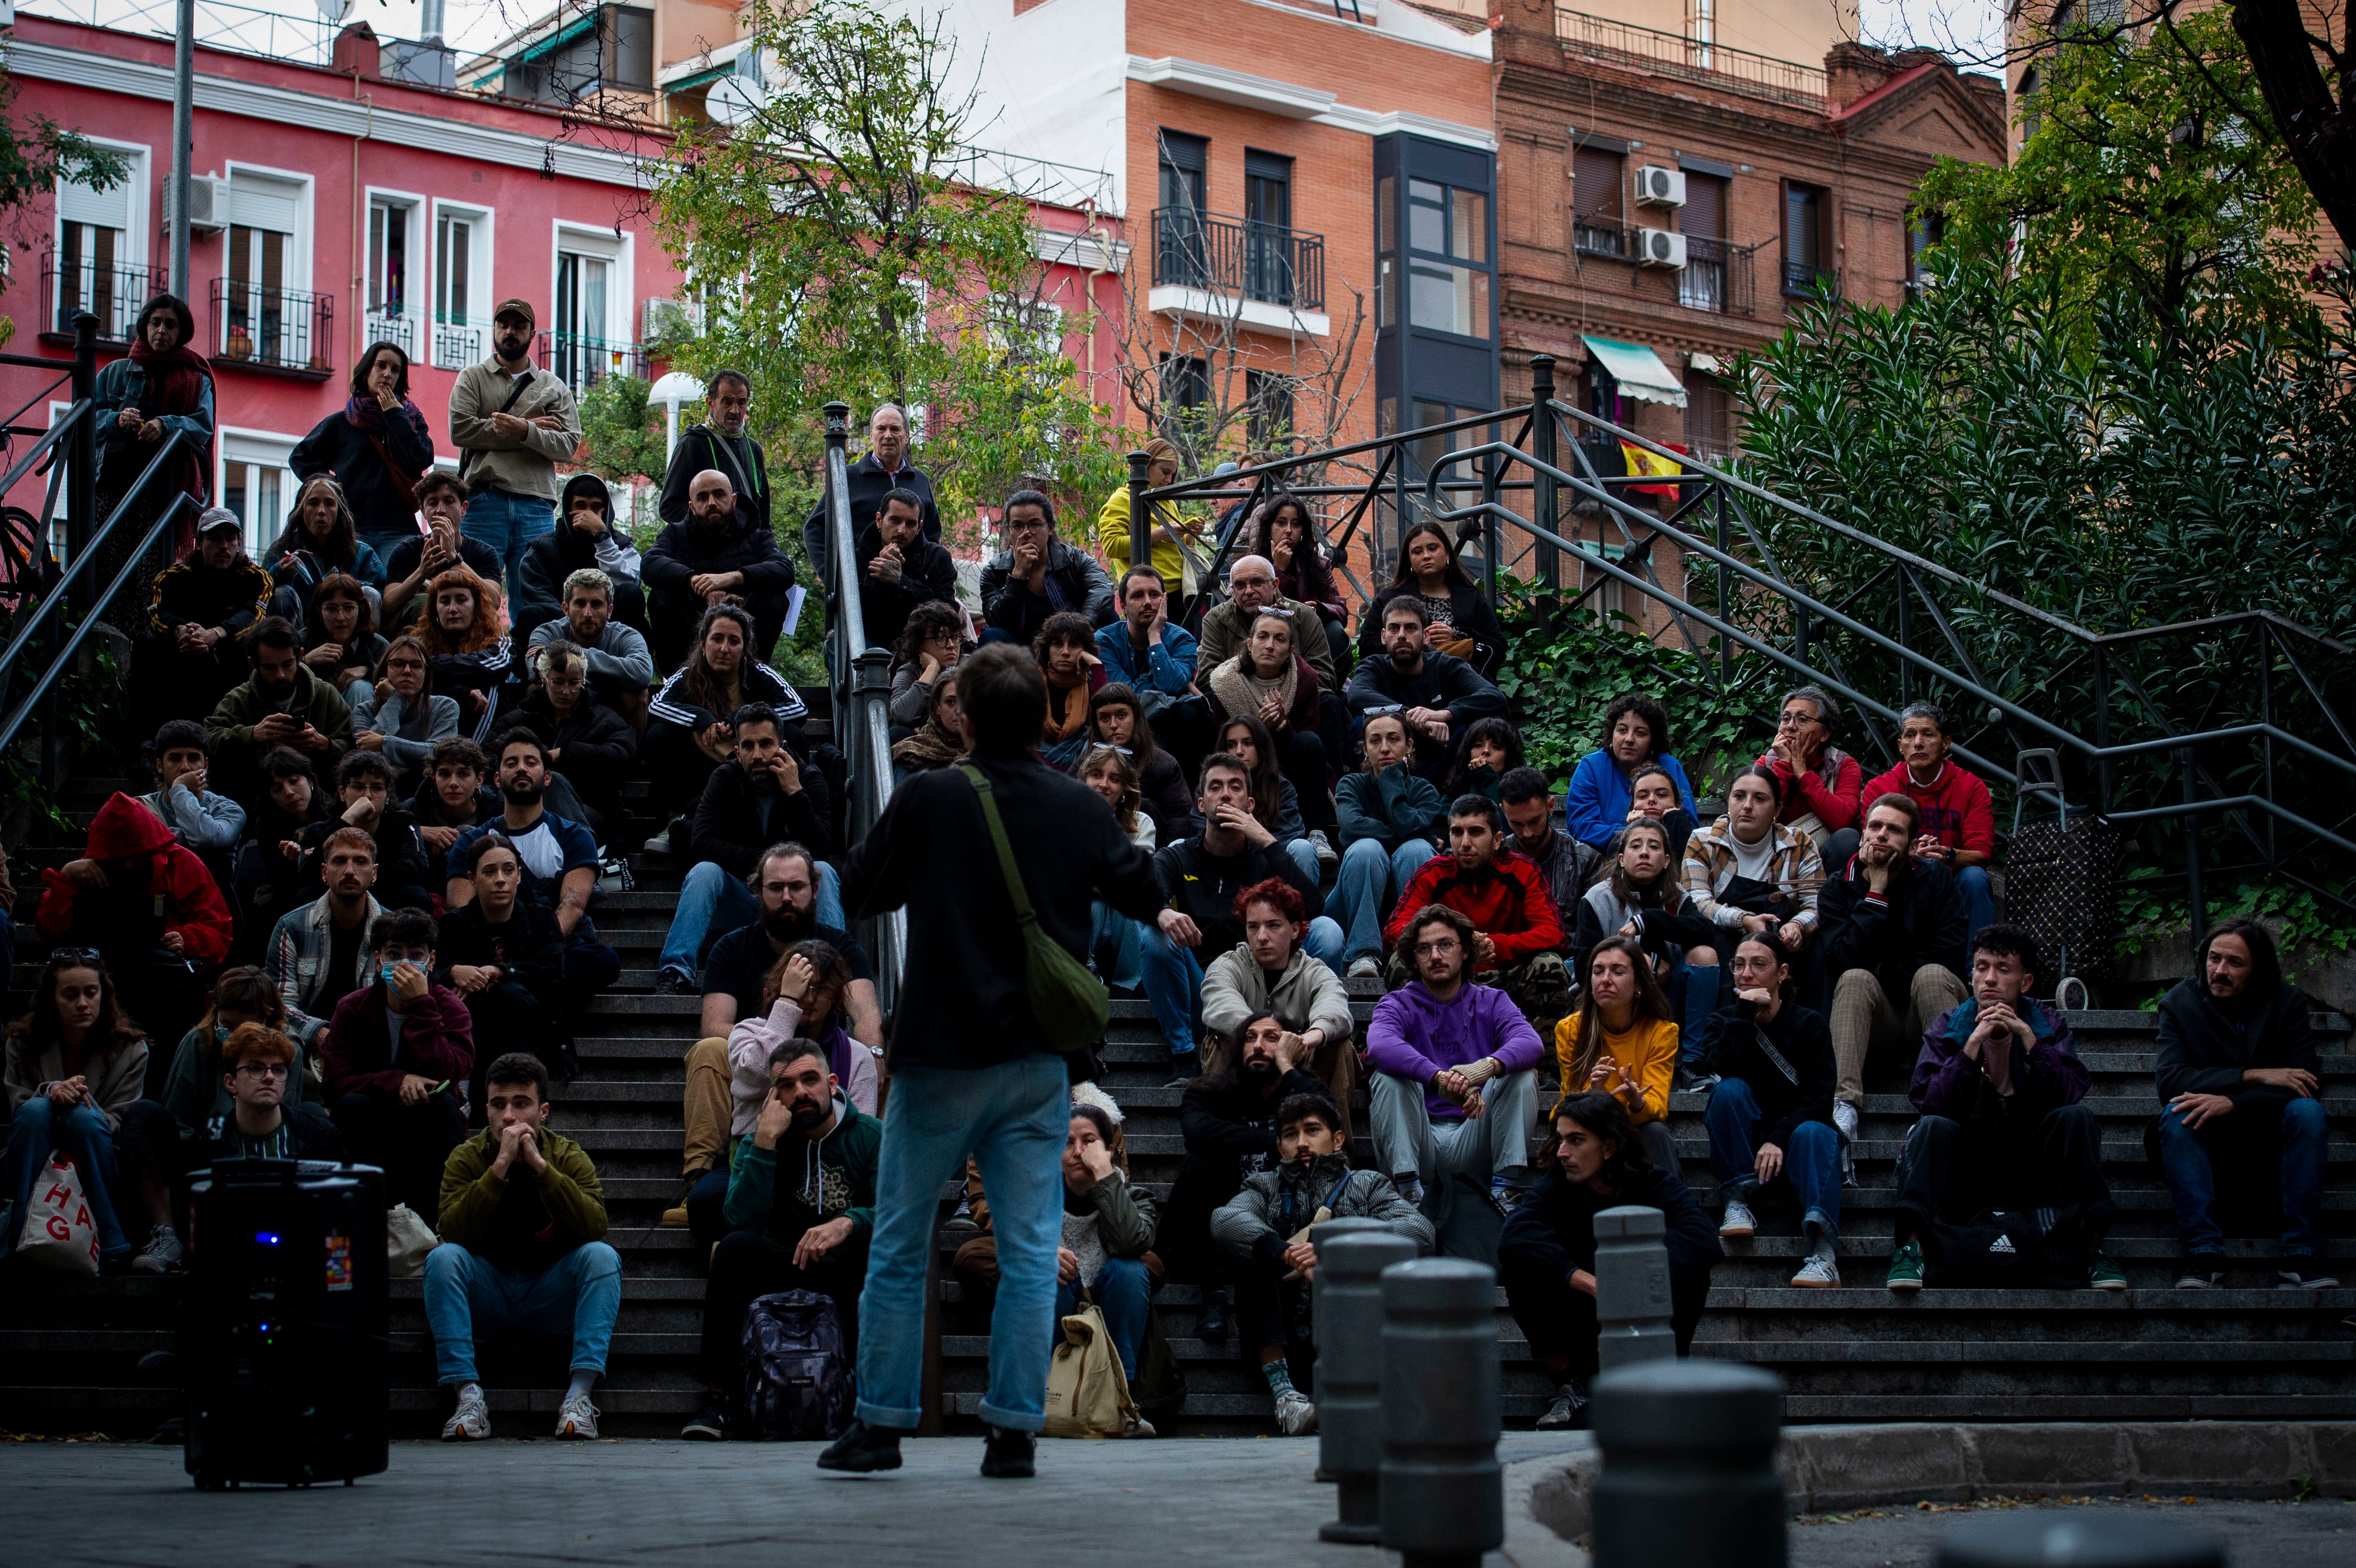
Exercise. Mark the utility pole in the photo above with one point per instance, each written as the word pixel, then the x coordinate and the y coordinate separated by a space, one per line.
pixel 184 136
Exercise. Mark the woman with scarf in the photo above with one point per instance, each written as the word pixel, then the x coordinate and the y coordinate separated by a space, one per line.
pixel 1117 719
pixel 1066 650
pixel 1271 682
pixel 163 386
pixel 376 448
pixel 939 742
pixel 320 541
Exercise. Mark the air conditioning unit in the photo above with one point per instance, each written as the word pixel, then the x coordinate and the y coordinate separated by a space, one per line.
pixel 1659 248
pixel 207 204
pixel 671 318
pixel 1659 187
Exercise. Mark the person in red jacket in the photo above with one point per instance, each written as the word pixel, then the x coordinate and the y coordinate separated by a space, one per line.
pixel 396 1059
pixel 152 911
pixel 1958 816
pixel 1504 894
pixel 1824 787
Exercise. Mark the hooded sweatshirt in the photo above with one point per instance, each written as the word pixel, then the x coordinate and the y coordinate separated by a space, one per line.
pixel 552 558
pixel 1955 806
pixel 1415 1036
pixel 755 1035
pixel 2045 1077
pixel 806 1181
pixel 177 894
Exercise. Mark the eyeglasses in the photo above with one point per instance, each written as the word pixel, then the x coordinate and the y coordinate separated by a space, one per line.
pixel 1446 944
pixel 262 1069
pixel 75 958
pixel 1793 720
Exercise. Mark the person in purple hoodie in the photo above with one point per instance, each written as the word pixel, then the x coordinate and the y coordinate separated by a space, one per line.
pixel 1448 1057
pixel 2000 1085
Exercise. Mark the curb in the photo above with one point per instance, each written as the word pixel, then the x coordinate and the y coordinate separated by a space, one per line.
pixel 1831 1468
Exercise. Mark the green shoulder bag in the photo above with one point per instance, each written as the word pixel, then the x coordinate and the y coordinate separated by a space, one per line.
pixel 1068 1002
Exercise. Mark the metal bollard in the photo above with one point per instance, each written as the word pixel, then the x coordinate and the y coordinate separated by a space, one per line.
pixel 1632 1288
pixel 2049 1541
pixel 1348 1305
pixel 1688 1477
pixel 1442 1493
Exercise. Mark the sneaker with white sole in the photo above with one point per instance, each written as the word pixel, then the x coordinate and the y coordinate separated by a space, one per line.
pixel 578 1418
pixel 1845 1118
pixel 2201 1271
pixel 1818 1272
pixel 162 1254
pixel 1738 1219
pixel 471 1422
pixel 2287 1279
pixel 1365 968
pixel 1327 855
pixel 1295 1415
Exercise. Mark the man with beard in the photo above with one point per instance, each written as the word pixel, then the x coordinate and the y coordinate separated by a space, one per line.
pixel 282 703
pixel 621 670
pixel 808 1232
pixel 900 568
pixel 1438 694
pixel 723 441
pixel 560 864
pixel 718 552
pixel 784 887
pixel 318 954
pixel 1228 1119
pixel 1519 948
pixel 1271 972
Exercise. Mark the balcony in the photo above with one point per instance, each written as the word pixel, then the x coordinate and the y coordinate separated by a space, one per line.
pixel 459 341
pixel 1601 236
pixel 1264 263
pixel 1802 279
pixel 396 328
pixel 581 362
pixel 1717 277
pixel 288 330
pixel 1688 59
pixel 113 292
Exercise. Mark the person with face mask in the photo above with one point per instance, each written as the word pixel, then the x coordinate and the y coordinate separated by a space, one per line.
pixel 395 1058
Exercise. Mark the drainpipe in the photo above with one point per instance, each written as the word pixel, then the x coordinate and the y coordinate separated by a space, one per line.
pixel 359 224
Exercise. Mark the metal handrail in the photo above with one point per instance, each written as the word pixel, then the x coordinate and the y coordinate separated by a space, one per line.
pixel 67 579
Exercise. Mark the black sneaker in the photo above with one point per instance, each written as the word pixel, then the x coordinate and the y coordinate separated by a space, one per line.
pixel 671 982
pixel 1211 1323
pixel 1009 1454
pixel 709 1424
pixel 862 1449
pixel 1569 1411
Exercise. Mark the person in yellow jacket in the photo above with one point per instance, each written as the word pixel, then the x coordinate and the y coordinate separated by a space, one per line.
pixel 1622 1042
pixel 1170 526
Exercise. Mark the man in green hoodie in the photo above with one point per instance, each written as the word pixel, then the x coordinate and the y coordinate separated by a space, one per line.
pixel 522 1226
pixel 808 1232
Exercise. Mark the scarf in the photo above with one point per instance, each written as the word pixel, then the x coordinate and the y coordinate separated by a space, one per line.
pixel 175 380
pixel 1073 701
pixel 1240 692
pixel 930 747
pixel 366 413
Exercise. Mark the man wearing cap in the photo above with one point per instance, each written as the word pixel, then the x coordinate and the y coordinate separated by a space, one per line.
pixel 189 655
pixel 512 425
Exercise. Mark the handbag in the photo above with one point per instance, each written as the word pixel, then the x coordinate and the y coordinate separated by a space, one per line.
pixel 403 485
pixel 2062 879
pixel 1087 1393
pixel 59 1232
pixel 1069 1003
pixel 407 1240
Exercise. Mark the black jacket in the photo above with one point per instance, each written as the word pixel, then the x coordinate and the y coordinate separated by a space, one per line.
pixel 728 828
pixel 190 593
pixel 1442 683
pixel 556 555
pixel 740 457
pixel 599 744
pixel 931 852
pixel 927 572
pixel 1801 1036
pixel 337 446
pixel 1014 610
pixel 310 1133
pixel 1471 617
pixel 684 550
pixel 529 949
pixel 1203 887
pixel 400 857
pixel 868 484
pixel 1552 1231
pixel 1228 1128
pixel 1163 795
pixel 1920 920
pixel 2203 1048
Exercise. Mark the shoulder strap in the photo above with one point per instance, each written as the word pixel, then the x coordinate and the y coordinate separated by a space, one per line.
pixel 1006 866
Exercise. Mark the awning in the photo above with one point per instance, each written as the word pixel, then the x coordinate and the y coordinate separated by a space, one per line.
pixel 1638 371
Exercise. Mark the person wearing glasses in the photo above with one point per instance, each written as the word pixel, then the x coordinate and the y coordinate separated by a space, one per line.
pixel 259 1065
pixel 1823 786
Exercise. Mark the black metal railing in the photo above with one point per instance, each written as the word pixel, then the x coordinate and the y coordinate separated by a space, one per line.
pixel 274 328
pixel 112 292
pixel 1803 279
pixel 397 328
pixel 581 362
pixel 1718 277
pixel 459 341
pixel 1263 262
pixel 1688 59
pixel 1603 237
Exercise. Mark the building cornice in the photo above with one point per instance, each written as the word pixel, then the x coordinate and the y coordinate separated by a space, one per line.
pixel 1272 96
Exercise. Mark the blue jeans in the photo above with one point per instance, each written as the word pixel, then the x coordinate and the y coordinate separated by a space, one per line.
pixel 1173 979
pixel 2295 1132
pixel 1693 997
pixel 507 523
pixel 39 1129
pixel 1114 946
pixel 1124 1292
pixel 1812 1164
pixel 1979 896
pixel 711 903
pixel 1304 856
pixel 1011 1118
pixel 581 1293
pixel 1370 880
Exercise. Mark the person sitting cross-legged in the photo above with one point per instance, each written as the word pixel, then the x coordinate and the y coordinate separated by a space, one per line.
pixel 2004 1126
pixel 1263 1234
pixel 1892 947
pixel 523 1248
pixel 1519 940
pixel 1390 816
pixel 506 959
pixel 1545 1257
pixel 1622 1042
pixel 394 1060
pixel 2240 1088
pixel 1455 1065
pixel 1770 1114
pixel 1271 972
pixel 800 1213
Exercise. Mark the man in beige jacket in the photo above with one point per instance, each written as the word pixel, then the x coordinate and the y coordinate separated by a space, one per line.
pixel 512 423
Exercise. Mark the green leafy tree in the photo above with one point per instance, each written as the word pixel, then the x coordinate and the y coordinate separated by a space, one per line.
pixel 35 152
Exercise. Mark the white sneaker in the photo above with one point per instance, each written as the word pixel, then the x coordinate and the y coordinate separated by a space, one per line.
pixel 577 1419
pixel 162 1254
pixel 1327 855
pixel 1818 1272
pixel 1365 968
pixel 1138 1426
pixel 1739 1220
pixel 1295 1416
pixel 1845 1118
pixel 660 843
pixel 470 1423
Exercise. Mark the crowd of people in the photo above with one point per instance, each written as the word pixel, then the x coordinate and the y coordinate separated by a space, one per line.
pixel 390 759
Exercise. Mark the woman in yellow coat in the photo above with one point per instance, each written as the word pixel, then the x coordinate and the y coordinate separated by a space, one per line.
pixel 1622 1042
pixel 1178 576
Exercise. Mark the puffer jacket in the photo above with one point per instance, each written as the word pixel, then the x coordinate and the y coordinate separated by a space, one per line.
pixel 1260 1221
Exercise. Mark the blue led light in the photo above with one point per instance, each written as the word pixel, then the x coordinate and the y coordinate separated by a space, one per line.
pixel 266 1238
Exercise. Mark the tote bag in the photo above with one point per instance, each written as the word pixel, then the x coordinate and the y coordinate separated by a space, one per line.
pixel 59 1232
pixel 1088 1395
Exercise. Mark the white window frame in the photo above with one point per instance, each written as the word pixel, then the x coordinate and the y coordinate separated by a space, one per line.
pixel 259 531
pixel 408 330
pixel 470 342
pixel 619 252
pixel 136 238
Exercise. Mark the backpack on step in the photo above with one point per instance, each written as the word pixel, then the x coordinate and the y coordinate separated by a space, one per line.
pixel 2009 1250
pixel 797 1381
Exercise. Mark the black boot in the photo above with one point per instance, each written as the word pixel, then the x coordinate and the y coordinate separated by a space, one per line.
pixel 1211 1323
pixel 863 1448
pixel 1009 1455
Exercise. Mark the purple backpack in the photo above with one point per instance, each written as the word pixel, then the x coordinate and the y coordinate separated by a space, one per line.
pixel 797 1382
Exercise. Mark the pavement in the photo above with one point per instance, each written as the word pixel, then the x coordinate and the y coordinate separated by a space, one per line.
pixel 2318 1534
pixel 1216 1503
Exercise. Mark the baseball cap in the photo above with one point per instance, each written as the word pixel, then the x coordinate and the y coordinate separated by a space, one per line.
pixel 516 307
pixel 213 519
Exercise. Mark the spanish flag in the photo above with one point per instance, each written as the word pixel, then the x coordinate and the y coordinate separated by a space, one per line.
pixel 1642 460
